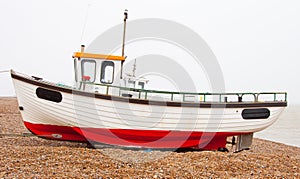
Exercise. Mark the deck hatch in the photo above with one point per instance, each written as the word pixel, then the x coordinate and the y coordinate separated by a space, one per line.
pixel 49 95
pixel 258 113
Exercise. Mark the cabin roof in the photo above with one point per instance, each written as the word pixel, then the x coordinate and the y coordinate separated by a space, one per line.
pixel 98 56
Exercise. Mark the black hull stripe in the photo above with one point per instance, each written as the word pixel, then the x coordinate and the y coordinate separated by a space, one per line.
pixel 147 102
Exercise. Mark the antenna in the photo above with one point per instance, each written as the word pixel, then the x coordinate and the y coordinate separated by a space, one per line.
pixel 134 68
pixel 85 22
pixel 123 44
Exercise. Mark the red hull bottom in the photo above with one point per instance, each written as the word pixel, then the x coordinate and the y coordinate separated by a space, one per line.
pixel 134 138
pixel 55 132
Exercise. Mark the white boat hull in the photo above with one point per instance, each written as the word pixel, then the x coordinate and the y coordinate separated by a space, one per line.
pixel 117 120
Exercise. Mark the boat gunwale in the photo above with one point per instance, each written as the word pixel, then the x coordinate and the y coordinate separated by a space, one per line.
pixel 70 90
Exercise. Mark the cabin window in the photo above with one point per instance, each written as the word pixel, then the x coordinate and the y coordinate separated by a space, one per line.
pixel 75 69
pixel 107 72
pixel 131 84
pixel 88 68
pixel 141 85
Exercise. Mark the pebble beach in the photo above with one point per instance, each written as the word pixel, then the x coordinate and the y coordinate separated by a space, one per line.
pixel 26 156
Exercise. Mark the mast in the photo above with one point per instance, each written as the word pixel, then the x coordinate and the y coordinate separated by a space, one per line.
pixel 124 31
pixel 123 44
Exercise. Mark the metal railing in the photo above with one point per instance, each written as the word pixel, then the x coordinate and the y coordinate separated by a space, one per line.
pixel 187 96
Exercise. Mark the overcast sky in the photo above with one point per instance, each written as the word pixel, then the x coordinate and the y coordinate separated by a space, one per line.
pixel 257 43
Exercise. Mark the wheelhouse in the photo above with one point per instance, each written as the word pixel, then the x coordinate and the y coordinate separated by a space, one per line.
pixel 93 69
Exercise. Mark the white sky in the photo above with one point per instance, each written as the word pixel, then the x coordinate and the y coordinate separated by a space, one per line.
pixel 257 43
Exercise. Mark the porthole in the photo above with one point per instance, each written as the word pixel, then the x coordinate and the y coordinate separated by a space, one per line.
pixel 49 95
pixel 258 113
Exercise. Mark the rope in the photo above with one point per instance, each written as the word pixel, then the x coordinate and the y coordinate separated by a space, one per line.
pixel 17 135
pixel 4 71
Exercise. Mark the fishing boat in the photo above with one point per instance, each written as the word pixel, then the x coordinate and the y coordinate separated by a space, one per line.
pixel 106 106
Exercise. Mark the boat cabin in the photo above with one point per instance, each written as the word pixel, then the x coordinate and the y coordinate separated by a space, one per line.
pixel 95 70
